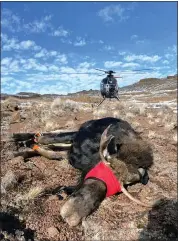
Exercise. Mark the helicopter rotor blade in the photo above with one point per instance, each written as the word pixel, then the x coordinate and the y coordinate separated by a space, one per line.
pixel 133 71
pixel 101 70
pixel 77 73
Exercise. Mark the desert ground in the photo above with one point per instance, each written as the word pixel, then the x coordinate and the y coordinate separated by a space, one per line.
pixel 151 109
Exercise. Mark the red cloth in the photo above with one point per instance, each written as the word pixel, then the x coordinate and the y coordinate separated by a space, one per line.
pixel 104 173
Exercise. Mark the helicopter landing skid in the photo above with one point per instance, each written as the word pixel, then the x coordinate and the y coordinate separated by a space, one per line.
pixel 117 98
pixel 101 102
pixel 106 98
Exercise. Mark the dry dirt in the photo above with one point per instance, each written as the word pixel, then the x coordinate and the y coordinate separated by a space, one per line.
pixel 27 216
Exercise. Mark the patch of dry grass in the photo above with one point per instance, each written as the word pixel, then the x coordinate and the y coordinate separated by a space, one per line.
pixel 65 105
pixel 151 122
pixel 130 115
pixel 175 138
pixel 100 113
pixel 170 121
pixel 150 115
pixel 151 134
pixel 22 200
pixel 135 124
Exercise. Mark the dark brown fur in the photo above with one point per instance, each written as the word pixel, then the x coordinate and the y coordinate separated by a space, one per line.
pixel 120 168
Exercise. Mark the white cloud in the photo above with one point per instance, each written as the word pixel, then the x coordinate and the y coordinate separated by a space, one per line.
pixel 128 65
pixel 26 44
pixel 41 54
pixel 54 68
pixel 141 57
pixel 122 53
pixel 112 64
pixel 173 49
pixel 101 42
pixel 129 79
pixel 10 20
pixel 134 37
pixel 38 26
pixel 14 44
pixel 110 12
pixel 66 41
pixel 165 62
pixel 171 53
pixel 108 47
pixel 44 53
pixel 14 66
pixel 80 42
pixel 140 41
pixel 6 61
pixel 60 32
pixel 85 65
pixel 6 79
pixel 14 23
pixel 61 58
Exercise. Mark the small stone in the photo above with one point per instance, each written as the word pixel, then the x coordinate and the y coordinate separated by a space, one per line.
pixel 52 232
pixel 8 180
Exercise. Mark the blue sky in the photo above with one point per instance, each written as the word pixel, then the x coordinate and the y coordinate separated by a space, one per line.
pixel 42 42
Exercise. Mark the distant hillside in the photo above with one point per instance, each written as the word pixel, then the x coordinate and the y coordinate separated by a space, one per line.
pixel 85 92
pixel 153 84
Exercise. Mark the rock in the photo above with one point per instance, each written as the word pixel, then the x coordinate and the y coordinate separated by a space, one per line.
pixel 15 118
pixel 9 180
pixel 52 232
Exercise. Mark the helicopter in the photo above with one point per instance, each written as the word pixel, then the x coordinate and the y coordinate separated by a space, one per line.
pixel 109 86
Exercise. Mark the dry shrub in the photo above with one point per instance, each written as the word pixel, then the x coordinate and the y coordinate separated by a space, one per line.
pixel 157 120
pixel 129 115
pixel 22 200
pixel 160 113
pixel 65 105
pixel 150 115
pixel 135 124
pixel 170 121
pixel 135 110
pixel 175 138
pixel 143 109
pixel 151 122
pixel 151 134
pixel 100 113
pixel 51 125
pixel 116 114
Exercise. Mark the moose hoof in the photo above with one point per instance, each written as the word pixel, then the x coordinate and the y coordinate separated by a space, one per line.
pixel 70 213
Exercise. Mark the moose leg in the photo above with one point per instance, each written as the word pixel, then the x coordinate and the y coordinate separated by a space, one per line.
pixel 83 201
pixel 45 138
pixel 52 138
